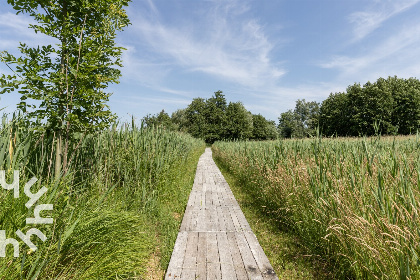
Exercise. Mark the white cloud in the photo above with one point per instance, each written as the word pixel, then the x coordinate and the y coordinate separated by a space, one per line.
pixel 15 28
pixel 225 43
pixel 399 54
pixel 365 22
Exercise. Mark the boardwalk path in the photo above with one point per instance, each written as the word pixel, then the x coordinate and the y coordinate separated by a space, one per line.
pixel 215 241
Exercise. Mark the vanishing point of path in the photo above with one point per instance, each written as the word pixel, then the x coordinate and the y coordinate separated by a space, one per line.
pixel 215 240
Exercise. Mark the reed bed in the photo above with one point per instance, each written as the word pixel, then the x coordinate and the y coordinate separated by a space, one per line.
pixel 354 201
pixel 116 206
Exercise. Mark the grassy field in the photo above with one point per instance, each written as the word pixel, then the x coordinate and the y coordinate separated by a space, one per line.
pixel 286 252
pixel 353 202
pixel 116 211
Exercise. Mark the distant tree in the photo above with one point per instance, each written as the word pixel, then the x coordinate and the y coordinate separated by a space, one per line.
pixel 406 111
pixel 263 129
pixel 215 114
pixel 371 106
pixel 159 120
pixel 238 122
pixel 179 120
pixel 301 122
pixel 335 115
pixel 195 114
pixel 387 106
pixel 287 124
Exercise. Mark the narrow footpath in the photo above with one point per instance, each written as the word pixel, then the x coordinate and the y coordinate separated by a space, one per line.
pixel 215 240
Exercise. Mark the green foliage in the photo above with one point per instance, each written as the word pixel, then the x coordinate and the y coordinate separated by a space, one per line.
pixel 238 122
pixel 159 120
pixel 215 116
pixel 388 106
pixel 213 119
pixel 301 122
pixel 263 129
pixel 355 202
pixel 179 120
pixel 68 79
pixel 120 202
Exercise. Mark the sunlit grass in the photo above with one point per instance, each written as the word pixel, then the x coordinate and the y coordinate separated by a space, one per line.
pixel 353 201
pixel 112 209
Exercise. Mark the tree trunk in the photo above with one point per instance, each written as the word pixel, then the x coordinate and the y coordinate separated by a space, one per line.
pixel 58 154
pixel 59 146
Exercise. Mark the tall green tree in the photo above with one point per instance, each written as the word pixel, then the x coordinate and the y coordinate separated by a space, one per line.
pixel 215 117
pixel 68 80
pixel 238 122
pixel 406 107
pixel 387 106
pixel 263 129
pixel 334 115
pixel 179 120
pixel 196 122
pixel 301 122
pixel 161 119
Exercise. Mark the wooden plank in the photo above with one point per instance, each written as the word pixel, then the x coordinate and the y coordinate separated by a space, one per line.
pixel 208 198
pixel 201 223
pixel 194 219
pixel 177 258
pixel 201 256
pixel 215 240
pixel 192 198
pixel 248 259
pixel 226 262
pixel 186 220
pixel 211 219
pixel 235 220
pixel 228 219
pixel 221 219
pixel 244 225
pixel 260 257
pixel 213 259
pixel 238 264
pixel 189 266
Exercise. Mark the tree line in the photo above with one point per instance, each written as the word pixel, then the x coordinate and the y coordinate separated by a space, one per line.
pixel 214 119
pixel 388 106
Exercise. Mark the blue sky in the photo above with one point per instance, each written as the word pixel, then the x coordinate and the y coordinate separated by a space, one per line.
pixel 264 53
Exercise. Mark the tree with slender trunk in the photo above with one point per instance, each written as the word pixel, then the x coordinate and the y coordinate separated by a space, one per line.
pixel 68 79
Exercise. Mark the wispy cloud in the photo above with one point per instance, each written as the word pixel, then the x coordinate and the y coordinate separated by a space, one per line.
pixel 396 54
pixel 367 21
pixel 226 43
pixel 15 28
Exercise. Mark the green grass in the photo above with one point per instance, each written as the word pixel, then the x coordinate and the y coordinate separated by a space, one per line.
pixel 118 206
pixel 285 251
pixel 355 202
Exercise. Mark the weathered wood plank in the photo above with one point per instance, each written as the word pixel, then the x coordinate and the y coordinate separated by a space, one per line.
pixel 228 219
pixel 202 256
pixel 221 219
pixel 215 240
pixel 186 220
pixel 248 259
pixel 226 262
pixel 177 258
pixel 213 258
pixel 238 264
pixel 211 219
pixel 189 266
pixel 244 225
pixel 260 257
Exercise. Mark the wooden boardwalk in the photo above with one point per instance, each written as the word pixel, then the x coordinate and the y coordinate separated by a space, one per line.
pixel 215 240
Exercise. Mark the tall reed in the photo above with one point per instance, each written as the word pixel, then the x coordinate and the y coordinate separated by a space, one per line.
pixel 354 201
pixel 110 207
